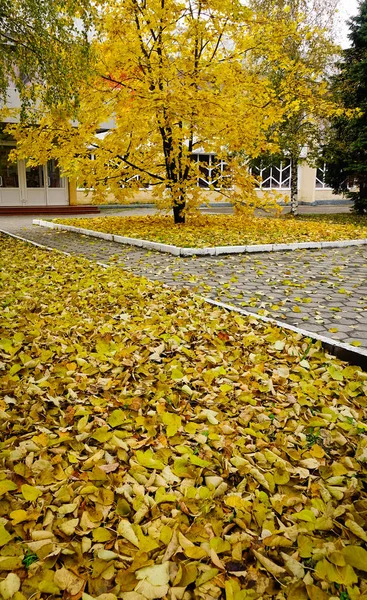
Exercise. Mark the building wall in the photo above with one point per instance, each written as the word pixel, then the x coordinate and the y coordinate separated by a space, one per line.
pixel 307 190
pixel 140 197
pixel 57 191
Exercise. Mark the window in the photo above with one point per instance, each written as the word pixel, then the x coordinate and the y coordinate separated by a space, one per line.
pixel 213 173
pixel 273 174
pixel 8 171
pixel 320 177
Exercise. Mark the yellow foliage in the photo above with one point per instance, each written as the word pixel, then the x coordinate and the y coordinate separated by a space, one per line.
pixel 171 79
pixel 221 230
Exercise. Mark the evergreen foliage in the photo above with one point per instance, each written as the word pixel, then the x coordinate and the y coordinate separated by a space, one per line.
pixel 346 147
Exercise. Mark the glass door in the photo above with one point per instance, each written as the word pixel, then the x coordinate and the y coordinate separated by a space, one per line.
pixel 35 185
pixel 9 179
pixel 57 193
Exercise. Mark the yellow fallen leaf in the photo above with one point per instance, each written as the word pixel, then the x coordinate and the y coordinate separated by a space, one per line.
pixel 147 459
pixel 30 492
pixel 7 486
pixel 305 515
pixel 356 529
pixel 68 527
pixel 195 552
pixel 150 591
pixel 125 529
pixel 18 516
pixel 66 580
pixel 9 586
pixel 10 563
pixel 5 536
pixel 316 593
pixel 101 534
pixel 156 574
pixel 268 564
pixel 206 576
pixel 293 565
pixel 356 556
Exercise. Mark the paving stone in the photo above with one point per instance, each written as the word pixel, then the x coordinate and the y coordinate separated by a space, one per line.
pixel 255 282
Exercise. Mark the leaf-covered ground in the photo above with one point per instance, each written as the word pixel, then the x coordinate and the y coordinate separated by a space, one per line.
pixel 221 230
pixel 154 447
pixel 337 218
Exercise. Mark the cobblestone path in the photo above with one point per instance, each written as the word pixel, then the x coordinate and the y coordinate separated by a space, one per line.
pixel 321 291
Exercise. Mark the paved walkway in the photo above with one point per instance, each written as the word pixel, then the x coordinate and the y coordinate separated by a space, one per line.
pixel 322 291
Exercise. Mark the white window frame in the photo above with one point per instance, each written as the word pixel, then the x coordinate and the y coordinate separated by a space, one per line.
pixel 320 183
pixel 284 165
pixel 210 166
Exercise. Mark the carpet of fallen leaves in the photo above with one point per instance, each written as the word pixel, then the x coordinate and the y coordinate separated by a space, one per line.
pixel 221 230
pixel 338 218
pixel 153 446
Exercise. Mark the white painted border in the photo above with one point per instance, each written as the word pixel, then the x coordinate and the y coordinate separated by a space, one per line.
pixel 346 352
pixel 216 250
pixel 335 347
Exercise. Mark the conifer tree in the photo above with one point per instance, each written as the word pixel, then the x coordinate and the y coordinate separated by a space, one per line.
pixel 346 149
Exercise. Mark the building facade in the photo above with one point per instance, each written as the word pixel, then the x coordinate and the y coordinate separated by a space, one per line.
pixel 312 189
pixel 25 186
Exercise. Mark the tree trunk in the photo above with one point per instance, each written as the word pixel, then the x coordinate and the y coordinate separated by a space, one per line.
pixel 294 186
pixel 178 214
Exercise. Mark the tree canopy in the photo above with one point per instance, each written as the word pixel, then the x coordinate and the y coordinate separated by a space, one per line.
pixel 174 78
pixel 43 47
pixel 312 59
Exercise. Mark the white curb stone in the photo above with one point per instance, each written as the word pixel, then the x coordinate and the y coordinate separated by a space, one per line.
pixel 136 242
pixel 209 251
pixel 148 245
pixel 230 249
pixel 354 243
pixel 119 239
pixel 101 235
pixel 332 244
pixel 279 247
pixel 40 222
pixel 175 250
pixel 259 248
pixel 309 245
pixel 194 251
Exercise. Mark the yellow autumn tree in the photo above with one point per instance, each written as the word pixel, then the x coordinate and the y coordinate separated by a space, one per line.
pixel 307 93
pixel 171 78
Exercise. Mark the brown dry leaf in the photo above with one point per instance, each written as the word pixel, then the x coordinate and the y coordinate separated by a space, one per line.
pixel 66 580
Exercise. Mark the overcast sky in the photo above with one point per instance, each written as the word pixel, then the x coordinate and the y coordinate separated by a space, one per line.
pixel 348 8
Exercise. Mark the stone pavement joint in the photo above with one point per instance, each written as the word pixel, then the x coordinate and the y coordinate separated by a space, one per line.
pixel 322 291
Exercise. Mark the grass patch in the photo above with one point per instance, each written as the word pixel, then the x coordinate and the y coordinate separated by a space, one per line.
pixel 155 444
pixel 222 230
